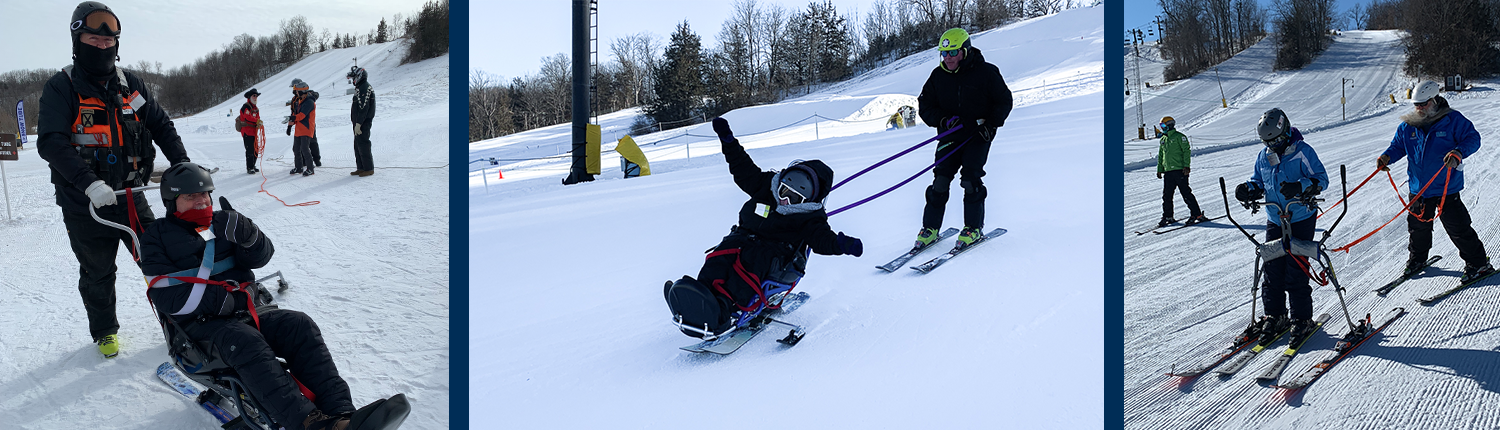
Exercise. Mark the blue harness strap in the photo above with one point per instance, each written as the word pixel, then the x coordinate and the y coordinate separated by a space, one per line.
pixel 218 267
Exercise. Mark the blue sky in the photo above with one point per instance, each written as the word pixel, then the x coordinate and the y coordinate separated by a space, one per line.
pixel 176 32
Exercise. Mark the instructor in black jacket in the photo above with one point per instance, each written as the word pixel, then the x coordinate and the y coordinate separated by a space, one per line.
pixel 95 130
pixel 361 113
pixel 962 90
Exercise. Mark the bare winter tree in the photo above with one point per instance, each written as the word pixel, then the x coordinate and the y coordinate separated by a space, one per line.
pixel 1302 31
pixel 1457 38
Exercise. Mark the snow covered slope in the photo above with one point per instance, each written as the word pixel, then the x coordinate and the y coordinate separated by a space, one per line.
pixel 1188 292
pixel 369 263
pixel 1042 59
pixel 567 308
pixel 1367 63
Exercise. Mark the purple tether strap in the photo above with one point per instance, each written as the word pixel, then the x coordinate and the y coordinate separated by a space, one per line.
pixel 893 157
pixel 913 177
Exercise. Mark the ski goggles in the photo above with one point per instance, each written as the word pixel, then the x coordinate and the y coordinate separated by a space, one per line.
pixel 789 196
pixel 101 22
pixel 1423 104
pixel 950 53
pixel 1163 127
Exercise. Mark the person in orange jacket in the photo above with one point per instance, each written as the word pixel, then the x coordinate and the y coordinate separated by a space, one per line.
pixel 248 122
pixel 304 121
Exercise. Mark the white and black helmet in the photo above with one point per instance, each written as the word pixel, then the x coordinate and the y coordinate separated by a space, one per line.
pixel 799 184
pixel 1425 91
pixel 356 74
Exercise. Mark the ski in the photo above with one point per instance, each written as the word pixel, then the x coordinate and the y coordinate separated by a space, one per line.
pixel 1244 359
pixel 904 258
pixel 1180 227
pixel 728 345
pixel 1143 232
pixel 935 262
pixel 1354 339
pixel 1240 343
pixel 169 374
pixel 1440 296
pixel 1273 372
pixel 1382 291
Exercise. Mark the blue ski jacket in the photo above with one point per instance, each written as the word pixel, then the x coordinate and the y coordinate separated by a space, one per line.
pixel 1427 149
pixel 1299 164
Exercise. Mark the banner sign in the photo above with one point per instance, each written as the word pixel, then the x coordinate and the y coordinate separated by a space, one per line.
pixel 21 118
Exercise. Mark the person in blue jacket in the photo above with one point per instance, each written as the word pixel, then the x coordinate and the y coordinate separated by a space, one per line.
pixel 1290 169
pixel 1436 138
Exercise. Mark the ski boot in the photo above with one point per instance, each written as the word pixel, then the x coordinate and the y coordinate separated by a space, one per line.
pixel 109 345
pixel 1195 219
pixel 968 236
pixel 252 171
pixel 1301 329
pixel 383 414
pixel 296 170
pixel 308 172
pixel 926 237
pixel 1472 272
pixel 1165 221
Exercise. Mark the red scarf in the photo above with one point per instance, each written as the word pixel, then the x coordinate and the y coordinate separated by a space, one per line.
pixel 201 217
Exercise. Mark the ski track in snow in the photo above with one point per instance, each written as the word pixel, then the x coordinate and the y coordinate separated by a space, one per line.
pixel 1007 333
pixel 369 264
pixel 1187 293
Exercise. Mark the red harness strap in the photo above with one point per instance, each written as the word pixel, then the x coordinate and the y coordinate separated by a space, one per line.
pixel 745 275
pixel 249 303
pixel 135 222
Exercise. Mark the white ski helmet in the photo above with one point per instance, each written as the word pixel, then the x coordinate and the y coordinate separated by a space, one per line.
pixel 1425 91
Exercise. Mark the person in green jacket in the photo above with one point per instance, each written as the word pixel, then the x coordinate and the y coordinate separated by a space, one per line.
pixel 1173 162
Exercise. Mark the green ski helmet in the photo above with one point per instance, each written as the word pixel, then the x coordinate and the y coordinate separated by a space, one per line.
pixel 953 39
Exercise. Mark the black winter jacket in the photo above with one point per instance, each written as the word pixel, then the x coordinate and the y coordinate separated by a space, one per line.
pixel 59 108
pixel 758 216
pixel 171 245
pixel 975 91
pixel 362 108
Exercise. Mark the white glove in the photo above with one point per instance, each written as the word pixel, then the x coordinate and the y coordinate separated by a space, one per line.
pixel 356 129
pixel 100 194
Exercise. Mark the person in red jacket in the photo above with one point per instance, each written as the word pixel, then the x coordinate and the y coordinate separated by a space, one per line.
pixel 248 122
pixel 304 120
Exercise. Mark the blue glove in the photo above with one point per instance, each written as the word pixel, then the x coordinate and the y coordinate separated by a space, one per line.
pixel 722 128
pixel 850 245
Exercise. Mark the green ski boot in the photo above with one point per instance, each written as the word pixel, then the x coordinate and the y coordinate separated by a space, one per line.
pixel 969 236
pixel 926 237
pixel 109 345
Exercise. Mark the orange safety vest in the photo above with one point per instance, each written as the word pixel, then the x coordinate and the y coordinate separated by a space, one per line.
pixel 112 140
pixel 311 116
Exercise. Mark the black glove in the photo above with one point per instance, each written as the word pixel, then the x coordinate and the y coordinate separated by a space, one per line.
pixel 1311 192
pixel 850 245
pixel 721 127
pixel 986 132
pixel 1291 190
pixel 229 225
pixel 949 123
pixel 289 129
pixel 1249 192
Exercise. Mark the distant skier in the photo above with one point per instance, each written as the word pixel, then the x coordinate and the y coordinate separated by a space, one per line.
pixel 225 318
pixel 962 90
pixel 304 121
pixel 1292 167
pixel 248 122
pixel 1174 160
pixel 1437 138
pixel 95 129
pixel 784 216
pixel 362 113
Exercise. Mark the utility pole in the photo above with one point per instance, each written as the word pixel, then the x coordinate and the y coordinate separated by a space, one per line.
pixel 1140 113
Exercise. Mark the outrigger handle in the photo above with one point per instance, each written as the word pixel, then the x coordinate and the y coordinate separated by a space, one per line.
pixel 1224 190
pixel 134 240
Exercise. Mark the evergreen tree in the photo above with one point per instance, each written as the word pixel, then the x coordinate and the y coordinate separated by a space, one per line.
pixel 679 81
pixel 381 35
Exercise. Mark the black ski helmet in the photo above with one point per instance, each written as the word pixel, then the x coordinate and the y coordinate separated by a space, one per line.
pixel 100 25
pixel 356 74
pixel 183 178
pixel 798 185
pixel 1273 126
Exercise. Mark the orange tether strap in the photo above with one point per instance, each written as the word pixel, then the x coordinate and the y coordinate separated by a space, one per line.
pixel 1406 206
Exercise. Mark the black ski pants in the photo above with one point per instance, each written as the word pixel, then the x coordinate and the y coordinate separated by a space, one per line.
pixel 1456 221
pixel 302 156
pixel 1172 181
pixel 312 148
pixel 363 160
pixel 969 161
pixel 1285 283
pixel 249 152
pixel 252 353
pixel 96 246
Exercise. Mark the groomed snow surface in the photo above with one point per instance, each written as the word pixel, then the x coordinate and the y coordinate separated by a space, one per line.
pixel 569 328
pixel 369 263
pixel 1187 293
